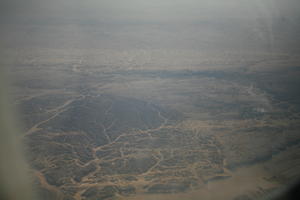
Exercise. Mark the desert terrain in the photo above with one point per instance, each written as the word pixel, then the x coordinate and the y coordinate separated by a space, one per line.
pixel 156 100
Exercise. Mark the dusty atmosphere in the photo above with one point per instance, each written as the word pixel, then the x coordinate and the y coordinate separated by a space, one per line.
pixel 161 100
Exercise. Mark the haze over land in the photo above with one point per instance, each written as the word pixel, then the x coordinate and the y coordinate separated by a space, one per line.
pixel 156 99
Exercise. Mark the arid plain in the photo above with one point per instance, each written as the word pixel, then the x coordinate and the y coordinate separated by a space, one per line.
pixel 107 132
pixel 156 99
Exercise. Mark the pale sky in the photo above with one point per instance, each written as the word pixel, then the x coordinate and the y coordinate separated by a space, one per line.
pixel 149 10
pixel 256 25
